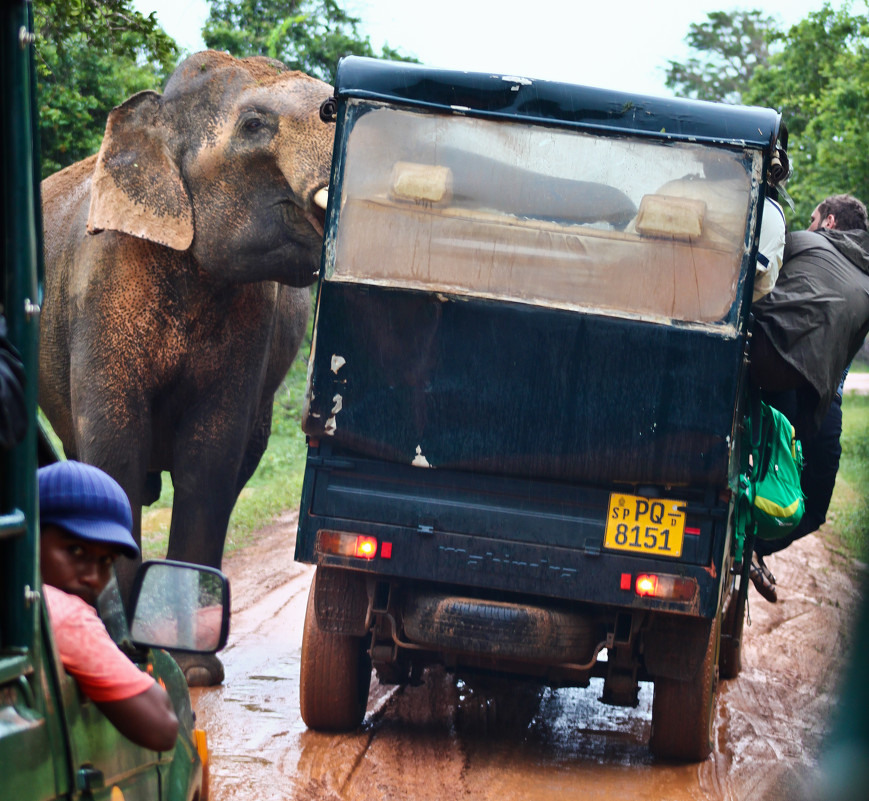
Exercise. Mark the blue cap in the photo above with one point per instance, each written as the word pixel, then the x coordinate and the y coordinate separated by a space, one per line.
pixel 87 503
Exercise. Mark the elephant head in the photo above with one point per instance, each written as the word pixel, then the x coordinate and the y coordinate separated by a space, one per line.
pixel 228 165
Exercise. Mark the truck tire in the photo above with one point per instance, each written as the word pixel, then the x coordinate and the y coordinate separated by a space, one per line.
pixel 334 678
pixel 730 660
pixel 683 712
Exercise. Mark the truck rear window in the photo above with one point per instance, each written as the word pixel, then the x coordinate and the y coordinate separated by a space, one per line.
pixel 461 205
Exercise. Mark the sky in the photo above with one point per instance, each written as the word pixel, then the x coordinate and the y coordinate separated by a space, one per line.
pixel 626 46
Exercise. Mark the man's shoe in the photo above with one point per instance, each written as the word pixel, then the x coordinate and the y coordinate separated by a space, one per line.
pixel 763 580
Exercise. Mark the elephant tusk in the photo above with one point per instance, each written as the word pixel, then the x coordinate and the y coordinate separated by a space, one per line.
pixel 321 197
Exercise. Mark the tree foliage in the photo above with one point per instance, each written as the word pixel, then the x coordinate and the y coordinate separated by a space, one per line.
pixel 308 35
pixel 733 45
pixel 816 74
pixel 91 56
pixel 820 82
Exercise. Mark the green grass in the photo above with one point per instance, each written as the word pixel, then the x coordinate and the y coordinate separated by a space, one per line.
pixel 849 509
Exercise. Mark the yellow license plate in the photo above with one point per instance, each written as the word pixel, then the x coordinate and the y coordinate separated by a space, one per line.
pixel 652 526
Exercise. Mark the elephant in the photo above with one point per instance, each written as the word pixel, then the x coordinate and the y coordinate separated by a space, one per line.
pixel 177 267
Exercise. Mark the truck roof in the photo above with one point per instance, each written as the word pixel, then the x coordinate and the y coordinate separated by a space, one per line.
pixel 551 102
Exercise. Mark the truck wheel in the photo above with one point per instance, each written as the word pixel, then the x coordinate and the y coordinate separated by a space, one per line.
pixel 730 661
pixel 334 678
pixel 683 712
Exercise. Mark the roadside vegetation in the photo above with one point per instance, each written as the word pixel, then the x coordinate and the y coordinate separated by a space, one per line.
pixel 849 510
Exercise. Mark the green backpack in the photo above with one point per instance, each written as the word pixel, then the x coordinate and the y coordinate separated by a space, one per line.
pixel 772 482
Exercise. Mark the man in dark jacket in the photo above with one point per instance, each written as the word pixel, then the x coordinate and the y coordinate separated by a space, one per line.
pixel 806 332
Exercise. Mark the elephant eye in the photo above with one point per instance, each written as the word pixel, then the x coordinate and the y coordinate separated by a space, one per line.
pixel 253 124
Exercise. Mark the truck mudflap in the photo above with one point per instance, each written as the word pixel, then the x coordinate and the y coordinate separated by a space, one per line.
pixel 674 647
pixel 341 601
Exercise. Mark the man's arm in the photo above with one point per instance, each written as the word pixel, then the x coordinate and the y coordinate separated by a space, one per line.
pixel 147 719
pixel 103 672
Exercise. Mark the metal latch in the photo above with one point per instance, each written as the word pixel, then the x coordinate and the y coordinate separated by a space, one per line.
pixel 592 546
pixel 89 779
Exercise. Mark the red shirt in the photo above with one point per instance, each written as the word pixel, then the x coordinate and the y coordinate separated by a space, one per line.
pixel 87 651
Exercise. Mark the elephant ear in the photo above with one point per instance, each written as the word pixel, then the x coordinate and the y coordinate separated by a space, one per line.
pixel 137 187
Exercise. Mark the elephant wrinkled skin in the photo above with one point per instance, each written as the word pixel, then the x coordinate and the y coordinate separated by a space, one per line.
pixel 176 265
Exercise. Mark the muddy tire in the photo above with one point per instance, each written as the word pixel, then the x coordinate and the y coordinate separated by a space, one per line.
pixel 683 712
pixel 334 678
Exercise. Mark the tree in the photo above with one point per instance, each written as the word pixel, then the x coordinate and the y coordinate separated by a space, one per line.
pixel 816 74
pixel 734 44
pixel 90 57
pixel 308 35
pixel 819 80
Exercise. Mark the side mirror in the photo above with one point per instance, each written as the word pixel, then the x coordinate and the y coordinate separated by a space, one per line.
pixel 180 607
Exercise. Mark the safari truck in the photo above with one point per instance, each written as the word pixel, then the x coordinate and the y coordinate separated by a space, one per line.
pixel 54 742
pixel 527 391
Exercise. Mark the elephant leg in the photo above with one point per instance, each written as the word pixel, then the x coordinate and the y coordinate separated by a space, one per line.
pixel 204 499
pixel 204 482
pixel 111 413
pixel 153 488
pixel 200 516
pixel 256 445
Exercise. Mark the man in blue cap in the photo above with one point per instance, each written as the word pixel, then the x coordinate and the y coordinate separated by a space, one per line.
pixel 86 525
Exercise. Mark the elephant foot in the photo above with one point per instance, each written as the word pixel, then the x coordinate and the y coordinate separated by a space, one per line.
pixel 200 670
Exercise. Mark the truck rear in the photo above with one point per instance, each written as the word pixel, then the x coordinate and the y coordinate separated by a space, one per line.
pixel 525 392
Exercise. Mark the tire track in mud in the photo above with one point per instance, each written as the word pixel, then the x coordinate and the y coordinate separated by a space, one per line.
pixel 780 705
pixel 405 750
pixel 249 718
pixel 508 741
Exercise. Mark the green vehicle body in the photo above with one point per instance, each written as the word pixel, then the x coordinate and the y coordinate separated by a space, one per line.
pixel 54 742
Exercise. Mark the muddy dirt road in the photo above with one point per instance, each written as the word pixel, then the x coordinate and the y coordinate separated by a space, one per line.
pixel 445 740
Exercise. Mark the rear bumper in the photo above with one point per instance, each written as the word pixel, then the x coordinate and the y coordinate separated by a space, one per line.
pixel 528 569
pixel 492 533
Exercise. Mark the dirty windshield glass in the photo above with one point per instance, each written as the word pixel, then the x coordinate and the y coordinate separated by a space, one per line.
pixel 530 213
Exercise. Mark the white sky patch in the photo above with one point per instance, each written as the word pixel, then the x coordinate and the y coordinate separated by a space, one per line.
pixel 626 47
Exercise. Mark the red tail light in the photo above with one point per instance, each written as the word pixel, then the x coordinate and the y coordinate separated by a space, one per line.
pixel 665 587
pixel 366 547
pixel 343 543
pixel 647 585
